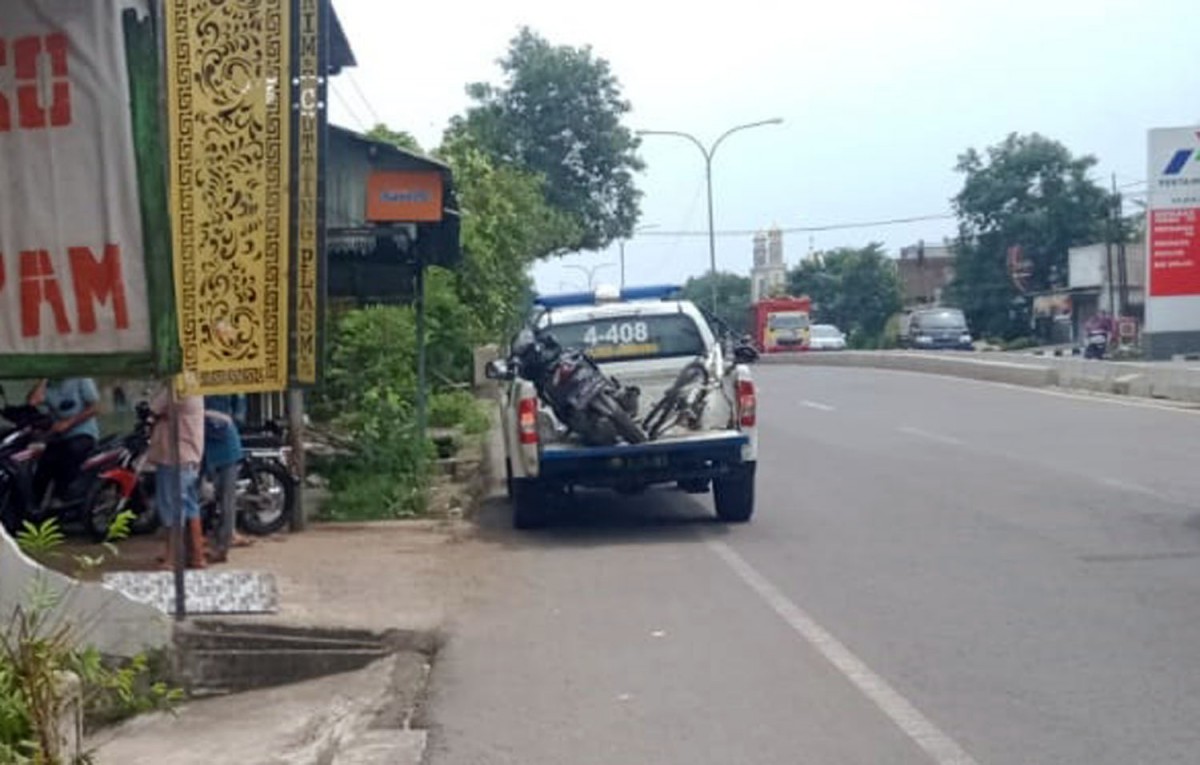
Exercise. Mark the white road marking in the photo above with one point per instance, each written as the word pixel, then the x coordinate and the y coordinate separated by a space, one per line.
pixel 942 749
pixel 948 440
pixel 817 405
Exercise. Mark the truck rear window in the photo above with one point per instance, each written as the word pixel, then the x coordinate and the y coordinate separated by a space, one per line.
pixel 633 337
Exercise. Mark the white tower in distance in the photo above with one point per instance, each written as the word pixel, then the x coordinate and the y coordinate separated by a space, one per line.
pixel 769 275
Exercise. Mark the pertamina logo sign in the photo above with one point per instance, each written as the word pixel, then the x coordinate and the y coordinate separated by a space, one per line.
pixel 1180 159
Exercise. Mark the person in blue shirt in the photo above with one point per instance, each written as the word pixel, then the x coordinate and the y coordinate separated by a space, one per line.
pixel 73 404
pixel 222 459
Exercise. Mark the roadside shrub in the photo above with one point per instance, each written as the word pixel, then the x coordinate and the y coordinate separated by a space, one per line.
pixel 389 473
pixel 370 394
pixel 1020 344
pixel 458 409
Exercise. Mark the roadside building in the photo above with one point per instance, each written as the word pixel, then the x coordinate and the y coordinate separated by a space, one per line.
pixel 925 271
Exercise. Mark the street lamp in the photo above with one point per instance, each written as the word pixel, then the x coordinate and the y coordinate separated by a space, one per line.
pixel 708 158
pixel 621 244
pixel 590 273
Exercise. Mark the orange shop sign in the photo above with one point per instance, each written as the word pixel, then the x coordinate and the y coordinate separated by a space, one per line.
pixel 404 196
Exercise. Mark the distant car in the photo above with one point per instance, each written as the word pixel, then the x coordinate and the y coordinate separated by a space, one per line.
pixel 826 337
pixel 939 329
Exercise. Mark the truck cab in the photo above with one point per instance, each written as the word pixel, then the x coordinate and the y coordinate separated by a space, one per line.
pixel 642 337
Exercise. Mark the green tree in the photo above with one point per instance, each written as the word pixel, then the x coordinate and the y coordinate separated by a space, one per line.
pixel 506 225
pixel 558 115
pixel 857 289
pixel 733 297
pixel 1030 192
pixel 401 139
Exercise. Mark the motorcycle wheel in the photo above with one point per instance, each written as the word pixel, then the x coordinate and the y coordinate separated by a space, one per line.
pixel 266 504
pixel 10 506
pixel 626 427
pixel 145 520
pixel 104 502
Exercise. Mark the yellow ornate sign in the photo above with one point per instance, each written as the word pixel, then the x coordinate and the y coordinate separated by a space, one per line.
pixel 308 167
pixel 227 74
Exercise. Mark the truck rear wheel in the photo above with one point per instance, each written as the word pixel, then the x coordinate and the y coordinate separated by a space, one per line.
pixel 733 494
pixel 531 503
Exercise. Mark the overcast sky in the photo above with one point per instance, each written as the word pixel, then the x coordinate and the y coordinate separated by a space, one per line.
pixel 878 99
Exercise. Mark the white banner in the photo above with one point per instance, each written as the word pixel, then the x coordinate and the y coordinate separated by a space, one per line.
pixel 72 266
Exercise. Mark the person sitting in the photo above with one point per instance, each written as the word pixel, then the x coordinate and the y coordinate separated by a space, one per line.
pixel 73 404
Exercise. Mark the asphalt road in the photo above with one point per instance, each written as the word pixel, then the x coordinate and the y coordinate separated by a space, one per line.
pixel 939 571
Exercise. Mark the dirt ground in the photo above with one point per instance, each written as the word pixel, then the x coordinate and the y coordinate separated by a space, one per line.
pixel 377 575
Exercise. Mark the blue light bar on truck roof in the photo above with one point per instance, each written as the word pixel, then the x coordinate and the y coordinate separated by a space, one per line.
pixel 565 300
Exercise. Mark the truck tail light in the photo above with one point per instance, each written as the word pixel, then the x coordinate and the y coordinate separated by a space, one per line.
pixel 527 410
pixel 747 404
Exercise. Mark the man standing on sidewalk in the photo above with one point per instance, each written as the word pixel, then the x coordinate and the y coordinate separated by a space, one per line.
pixel 178 471
pixel 222 458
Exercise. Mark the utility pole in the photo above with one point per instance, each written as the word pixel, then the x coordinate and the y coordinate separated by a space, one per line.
pixel 708 152
pixel 1122 265
pixel 1108 248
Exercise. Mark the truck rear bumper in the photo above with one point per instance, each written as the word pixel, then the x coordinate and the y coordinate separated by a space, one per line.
pixel 639 465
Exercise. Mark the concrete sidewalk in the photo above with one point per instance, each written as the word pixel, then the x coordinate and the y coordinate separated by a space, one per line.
pixel 318 721
pixel 404 577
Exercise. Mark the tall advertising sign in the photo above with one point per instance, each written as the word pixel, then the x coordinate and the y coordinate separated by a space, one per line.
pixel 84 269
pixel 311 35
pixel 1173 246
pixel 229 94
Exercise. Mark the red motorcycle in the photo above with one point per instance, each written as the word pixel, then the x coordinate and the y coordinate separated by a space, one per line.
pixel 266 490
pixel 123 485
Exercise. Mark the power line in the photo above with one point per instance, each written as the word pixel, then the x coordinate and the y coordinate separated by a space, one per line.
pixel 353 115
pixel 810 229
pixel 363 98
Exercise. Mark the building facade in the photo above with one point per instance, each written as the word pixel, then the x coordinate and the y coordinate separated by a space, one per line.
pixel 925 272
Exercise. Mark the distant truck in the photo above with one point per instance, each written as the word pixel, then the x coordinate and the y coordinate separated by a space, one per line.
pixel 781 324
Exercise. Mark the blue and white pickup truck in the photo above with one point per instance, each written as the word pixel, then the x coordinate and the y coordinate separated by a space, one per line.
pixel 642 337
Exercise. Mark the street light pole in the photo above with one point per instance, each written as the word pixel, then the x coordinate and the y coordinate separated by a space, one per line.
pixel 708 153
pixel 621 245
pixel 590 273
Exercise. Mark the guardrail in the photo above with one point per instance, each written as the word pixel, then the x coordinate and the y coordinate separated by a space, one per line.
pixel 1172 381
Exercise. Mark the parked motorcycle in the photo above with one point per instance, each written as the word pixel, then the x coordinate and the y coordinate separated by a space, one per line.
pixel 119 487
pixel 24 448
pixel 19 451
pixel 583 398
pixel 265 486
pixel 1096 346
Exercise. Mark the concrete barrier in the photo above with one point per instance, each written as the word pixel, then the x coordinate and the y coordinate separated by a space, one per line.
pixel 1175 382
pixel 972 367
pixel 104 618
